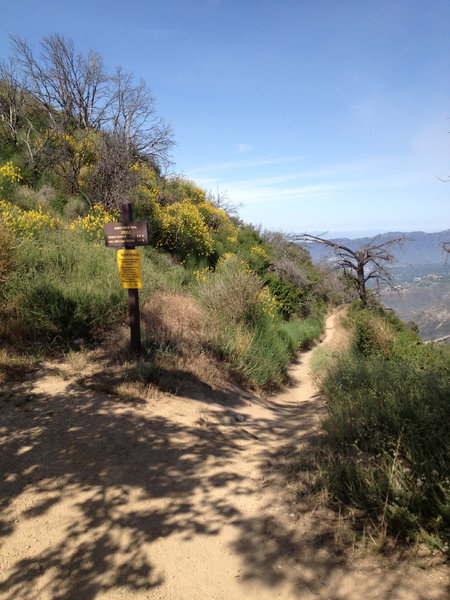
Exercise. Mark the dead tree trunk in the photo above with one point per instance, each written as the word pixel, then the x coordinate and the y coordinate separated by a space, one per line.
pixel 360 266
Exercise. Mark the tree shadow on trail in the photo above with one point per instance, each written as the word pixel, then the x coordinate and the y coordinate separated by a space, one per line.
pixel 78 447
pixel 313 565
pixel 128 479
pixel 308 545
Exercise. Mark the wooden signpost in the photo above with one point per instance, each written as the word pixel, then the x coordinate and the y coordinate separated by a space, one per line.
pixel 127 235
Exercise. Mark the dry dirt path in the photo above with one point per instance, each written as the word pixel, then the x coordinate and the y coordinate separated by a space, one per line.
pixel 171 500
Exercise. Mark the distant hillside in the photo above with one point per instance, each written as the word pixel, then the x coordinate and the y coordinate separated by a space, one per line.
pixel 420 248
pixel 421 277
pixel 424 300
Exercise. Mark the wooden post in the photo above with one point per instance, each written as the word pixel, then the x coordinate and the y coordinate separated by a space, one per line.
pixel 133 294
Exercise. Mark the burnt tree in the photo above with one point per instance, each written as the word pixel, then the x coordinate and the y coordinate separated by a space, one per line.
pixel 369 262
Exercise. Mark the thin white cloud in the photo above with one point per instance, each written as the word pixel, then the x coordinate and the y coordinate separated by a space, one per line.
pixel 260 195
pixel 243 148
pixel 347 169
pixel 207 182
pixel 244 164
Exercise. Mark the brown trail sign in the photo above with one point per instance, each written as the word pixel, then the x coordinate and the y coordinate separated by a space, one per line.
pixel 118 235
pixel 127 235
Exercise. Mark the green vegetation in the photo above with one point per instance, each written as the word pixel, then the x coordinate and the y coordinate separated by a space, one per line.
pixel 386 443
pixel 67 163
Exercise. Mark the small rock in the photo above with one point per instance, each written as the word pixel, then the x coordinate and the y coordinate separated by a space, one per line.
pixel 78 341
pixel 239 418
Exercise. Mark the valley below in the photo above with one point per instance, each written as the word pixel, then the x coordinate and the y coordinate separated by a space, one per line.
pixel 422 295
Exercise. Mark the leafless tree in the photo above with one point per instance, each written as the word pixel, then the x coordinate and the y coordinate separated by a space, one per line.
pixel 50 99
pixel 222 200
pixel 17 108
pixel 133 119
pixel 76 92
pixel 369 262
pixel 12 100
pixel 112 180
pixel 67 84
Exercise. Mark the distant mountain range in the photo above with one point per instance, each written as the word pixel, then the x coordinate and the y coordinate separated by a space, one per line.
pixel 421 275
pixel 419 248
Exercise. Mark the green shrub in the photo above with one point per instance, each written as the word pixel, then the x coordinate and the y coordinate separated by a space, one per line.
pixel 51 310
pixel 246 325
pixel 289 296
pixel 7 255
pixel 309 330
pixel 262 354
pixel 63 286
pixel 232 293
pixel 386 448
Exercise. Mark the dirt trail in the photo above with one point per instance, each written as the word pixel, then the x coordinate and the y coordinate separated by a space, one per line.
pixel 171 500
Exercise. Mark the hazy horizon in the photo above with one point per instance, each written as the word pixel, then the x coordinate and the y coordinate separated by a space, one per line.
pixel 355 234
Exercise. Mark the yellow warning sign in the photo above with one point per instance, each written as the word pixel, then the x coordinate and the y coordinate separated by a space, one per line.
pixel 129 263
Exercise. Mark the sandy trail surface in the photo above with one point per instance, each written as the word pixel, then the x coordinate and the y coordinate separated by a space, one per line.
pixel 175 499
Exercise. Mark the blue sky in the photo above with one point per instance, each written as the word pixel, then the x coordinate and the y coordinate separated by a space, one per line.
pixel 325 115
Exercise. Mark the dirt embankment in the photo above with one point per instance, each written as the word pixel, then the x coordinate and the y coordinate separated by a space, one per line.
pixel 172 499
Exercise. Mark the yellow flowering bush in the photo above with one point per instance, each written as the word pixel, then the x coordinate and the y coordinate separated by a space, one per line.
pixel 214 217
pixel 148 185
pixel 9 172
pixel 9 177
pixel 184 231
pixel 226 256
pixel 91 226
pixel 82 145
pixel 146 175
pixel 77 154
pixel 258 258
pixel 202 274
pixel 259 252
pixel 229 258
pixel 149 209
pixel 26 223
pixel 268 304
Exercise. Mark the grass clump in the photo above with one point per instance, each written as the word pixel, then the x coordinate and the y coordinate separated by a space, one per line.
pixel 7 254
pixel 63 287
pixel 246 325
pixel 386 444
pixel 13 365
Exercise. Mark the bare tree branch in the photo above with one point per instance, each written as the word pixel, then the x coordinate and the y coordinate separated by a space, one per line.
pixel 12 98
pixel 354 263
pixel 74 85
